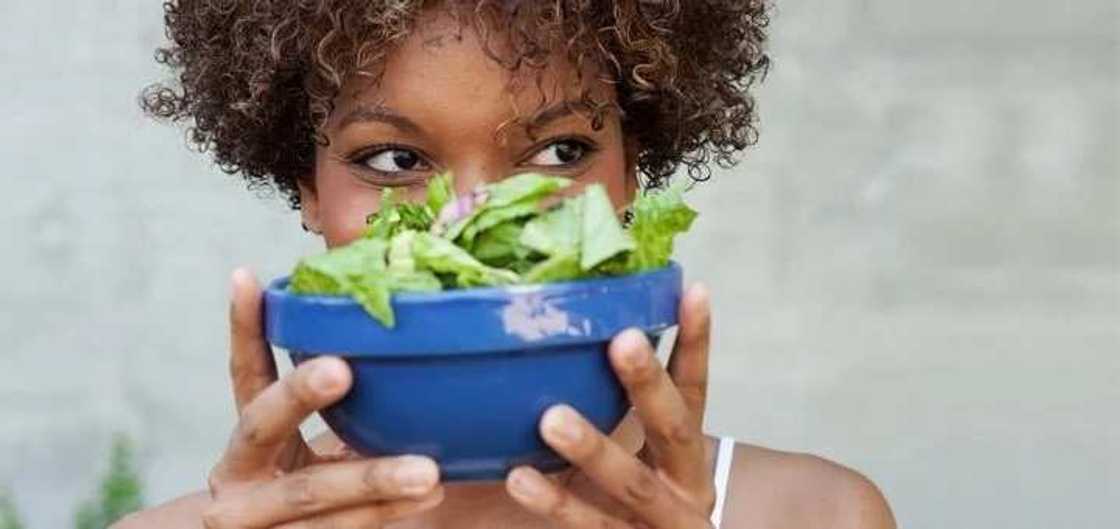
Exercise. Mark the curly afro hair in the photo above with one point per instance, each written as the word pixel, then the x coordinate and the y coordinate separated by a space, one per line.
pixel 256 78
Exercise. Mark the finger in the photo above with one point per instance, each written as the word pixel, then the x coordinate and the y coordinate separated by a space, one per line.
pixel 362 517
pixel 251 366
pixel 615 471
pixel 368 516
pixel 688 365
pixel 344 454
pixel 674 437
pixel 324 488
pixel 544 498
pixel 270 420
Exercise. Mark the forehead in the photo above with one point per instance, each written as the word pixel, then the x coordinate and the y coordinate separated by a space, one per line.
pixel 447 67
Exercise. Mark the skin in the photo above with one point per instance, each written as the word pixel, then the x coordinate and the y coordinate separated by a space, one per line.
pixel 435 104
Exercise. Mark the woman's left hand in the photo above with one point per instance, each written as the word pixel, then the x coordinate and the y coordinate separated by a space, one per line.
pixel 670 485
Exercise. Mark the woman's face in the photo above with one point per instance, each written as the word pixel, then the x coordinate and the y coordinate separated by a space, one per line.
pixel 439 106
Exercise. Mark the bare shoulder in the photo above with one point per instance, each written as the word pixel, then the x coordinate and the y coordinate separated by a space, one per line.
pixel 770 488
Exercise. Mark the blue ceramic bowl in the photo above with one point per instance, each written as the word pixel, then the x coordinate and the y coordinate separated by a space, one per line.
pixel 465 375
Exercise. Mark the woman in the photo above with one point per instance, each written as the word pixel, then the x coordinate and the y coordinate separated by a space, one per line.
pixel 331 101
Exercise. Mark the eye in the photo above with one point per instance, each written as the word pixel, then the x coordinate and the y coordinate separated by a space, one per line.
pixel 561 153
pixel 395 160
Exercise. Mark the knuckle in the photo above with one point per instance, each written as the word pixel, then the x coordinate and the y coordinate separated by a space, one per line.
pixel 677 432
pixel 298 388
pixel 245 374
pixel 251 430
pixel 328 522
pixel 642 488
pixel 635 523
pixel 377 477
pixel 561 507
pixel 593 449
pixel 215 481
pixel 299 493
pixel 694 392
pixel 216 516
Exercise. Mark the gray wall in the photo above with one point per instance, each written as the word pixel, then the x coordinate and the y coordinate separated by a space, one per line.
pixel 916 272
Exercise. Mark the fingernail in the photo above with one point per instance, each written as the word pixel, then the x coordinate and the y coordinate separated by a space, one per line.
pixel 235 279
pixel 634 354
pixel 240 276
pixel 416 475
pixel 562 425
pixel 699 298
pixel 325 377
pixel 527 484
pixel 636 358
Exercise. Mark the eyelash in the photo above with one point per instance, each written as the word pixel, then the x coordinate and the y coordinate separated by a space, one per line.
pixel 360 158
pixel 589 149
pixel 359 161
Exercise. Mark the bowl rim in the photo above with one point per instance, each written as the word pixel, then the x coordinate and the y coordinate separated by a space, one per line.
pixel 279 287
pixel 475 320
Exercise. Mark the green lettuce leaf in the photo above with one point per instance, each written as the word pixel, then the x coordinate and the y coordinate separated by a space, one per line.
pixel 400 252
pixel 501 246
pixel 412 281
pixel 394 217
pixel 522 187
pixel 441 190
pixel 357 270
pixel 506 239
pixel 602 236
pixel 559 267
pixel 557 230
pixel 516 196
pixel 329 272
pixel 491 217
pixel 658 217
pixel 443 257
pixel 372 291
pixel 585 226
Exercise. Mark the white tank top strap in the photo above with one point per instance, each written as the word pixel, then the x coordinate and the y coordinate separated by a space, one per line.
pixel 724 455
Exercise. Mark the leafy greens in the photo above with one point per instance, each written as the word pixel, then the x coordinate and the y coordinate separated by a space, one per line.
pixel 501 234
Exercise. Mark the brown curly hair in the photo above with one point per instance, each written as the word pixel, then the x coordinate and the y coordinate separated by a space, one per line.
pixel 256 79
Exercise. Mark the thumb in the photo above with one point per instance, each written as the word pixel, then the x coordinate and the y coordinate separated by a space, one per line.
pixel 251 366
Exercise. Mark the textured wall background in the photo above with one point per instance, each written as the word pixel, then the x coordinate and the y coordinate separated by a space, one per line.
pixel 917 272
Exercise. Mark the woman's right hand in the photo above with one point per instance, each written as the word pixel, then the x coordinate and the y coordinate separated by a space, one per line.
pixel 268 476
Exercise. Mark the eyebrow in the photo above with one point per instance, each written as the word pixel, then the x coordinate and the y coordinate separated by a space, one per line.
pixel 384 114
pixel 379 114
pixel 555 112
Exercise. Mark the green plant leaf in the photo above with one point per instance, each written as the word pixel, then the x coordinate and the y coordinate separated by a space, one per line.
pixel 9 514
pixel 120 491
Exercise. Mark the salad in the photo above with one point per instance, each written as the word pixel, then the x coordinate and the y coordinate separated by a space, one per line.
pixel 504 233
